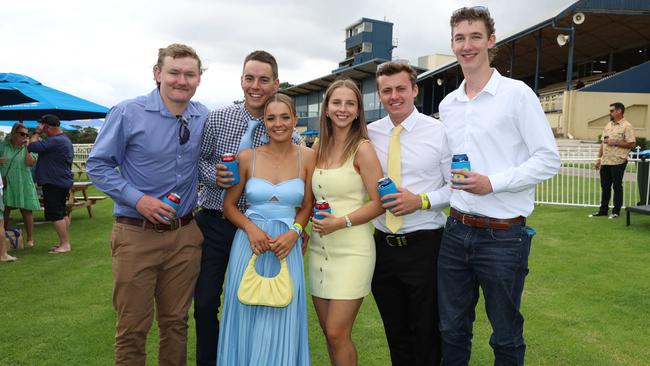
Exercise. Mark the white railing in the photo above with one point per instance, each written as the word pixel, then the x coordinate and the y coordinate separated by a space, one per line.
pixel 81 152
pixel 578 182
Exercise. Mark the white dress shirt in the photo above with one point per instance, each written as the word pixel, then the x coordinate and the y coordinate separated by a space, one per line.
pixel 506 136
pixel 426 164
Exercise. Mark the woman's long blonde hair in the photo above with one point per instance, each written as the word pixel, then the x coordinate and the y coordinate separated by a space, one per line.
pixel 358 131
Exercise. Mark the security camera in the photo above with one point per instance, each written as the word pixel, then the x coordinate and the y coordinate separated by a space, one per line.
pixel 579 18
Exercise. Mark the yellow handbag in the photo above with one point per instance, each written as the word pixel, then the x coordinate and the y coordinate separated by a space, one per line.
pixel 267 291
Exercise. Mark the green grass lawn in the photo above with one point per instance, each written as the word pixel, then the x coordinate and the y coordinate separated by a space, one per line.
pixel 586 302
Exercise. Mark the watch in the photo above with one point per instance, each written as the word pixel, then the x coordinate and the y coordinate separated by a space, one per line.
pixel 348 223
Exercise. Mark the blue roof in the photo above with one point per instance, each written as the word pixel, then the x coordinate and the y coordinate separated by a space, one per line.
pixel 633 80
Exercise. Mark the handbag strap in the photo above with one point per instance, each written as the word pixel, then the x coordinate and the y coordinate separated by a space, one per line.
pixel 13 158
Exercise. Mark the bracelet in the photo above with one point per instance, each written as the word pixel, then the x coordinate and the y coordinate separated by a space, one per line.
pixel 348 223
pixel 297 228
pixel 425 201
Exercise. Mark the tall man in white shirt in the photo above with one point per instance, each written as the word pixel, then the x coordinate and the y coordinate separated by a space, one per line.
pixel 499 123
pixel 413 152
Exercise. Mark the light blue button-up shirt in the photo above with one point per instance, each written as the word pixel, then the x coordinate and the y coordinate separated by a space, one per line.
pixel 137 152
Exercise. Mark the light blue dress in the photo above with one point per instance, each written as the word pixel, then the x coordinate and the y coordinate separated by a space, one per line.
pixel 261 335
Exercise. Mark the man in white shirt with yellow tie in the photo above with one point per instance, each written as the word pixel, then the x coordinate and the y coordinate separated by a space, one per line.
pixel 499 124
pixel 413 152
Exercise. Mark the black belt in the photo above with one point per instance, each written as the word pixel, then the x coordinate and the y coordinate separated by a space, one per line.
pixel 146 224
pixel 404 240
pixel 213 213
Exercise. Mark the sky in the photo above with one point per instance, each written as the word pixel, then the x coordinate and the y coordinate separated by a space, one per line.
pixel 104 51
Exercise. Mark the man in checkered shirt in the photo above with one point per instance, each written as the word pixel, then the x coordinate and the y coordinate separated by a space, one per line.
pixel 222 134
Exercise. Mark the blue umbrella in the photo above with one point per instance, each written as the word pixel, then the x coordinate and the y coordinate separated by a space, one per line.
pixel 48 101
pixel 33 124
pixel 9 96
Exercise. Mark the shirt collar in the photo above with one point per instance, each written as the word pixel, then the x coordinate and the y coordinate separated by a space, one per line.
pixel 247 115
pixel 490 88
pixel 154 102
pixel 407 124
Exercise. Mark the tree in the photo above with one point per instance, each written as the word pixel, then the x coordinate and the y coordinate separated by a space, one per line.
pixel 84 135
pixel 285 85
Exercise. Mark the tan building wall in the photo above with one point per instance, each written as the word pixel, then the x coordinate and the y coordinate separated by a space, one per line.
pixel 585 114
pixel 431 62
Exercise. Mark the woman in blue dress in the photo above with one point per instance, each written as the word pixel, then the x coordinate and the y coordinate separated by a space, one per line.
pixel 274 177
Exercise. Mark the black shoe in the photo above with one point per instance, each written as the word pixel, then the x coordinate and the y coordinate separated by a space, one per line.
pixel 596 214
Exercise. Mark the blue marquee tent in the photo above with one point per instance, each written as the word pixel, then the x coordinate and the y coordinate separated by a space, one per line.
pixel 47 101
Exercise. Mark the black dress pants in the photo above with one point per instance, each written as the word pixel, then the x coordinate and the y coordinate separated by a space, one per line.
pixel 218 234
pixel 611 176
pixel 404 285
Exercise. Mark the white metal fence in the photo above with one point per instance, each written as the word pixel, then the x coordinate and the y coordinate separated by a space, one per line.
pixel 81 152
pixel 578 182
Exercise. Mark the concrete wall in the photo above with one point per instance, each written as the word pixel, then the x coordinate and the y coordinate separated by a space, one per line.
pixel 585 114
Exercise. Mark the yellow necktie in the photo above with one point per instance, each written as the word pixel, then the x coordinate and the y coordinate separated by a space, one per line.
pixel 395 173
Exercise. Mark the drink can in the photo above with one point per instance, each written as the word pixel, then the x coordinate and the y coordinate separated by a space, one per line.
pixel 321 206
pixel 230 161
pixel 386 186
pixel 174 200
pixel 460 161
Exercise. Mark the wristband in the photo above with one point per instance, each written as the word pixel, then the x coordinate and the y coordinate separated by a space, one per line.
pixel 348 222
pixel 297 228
pixel 425 201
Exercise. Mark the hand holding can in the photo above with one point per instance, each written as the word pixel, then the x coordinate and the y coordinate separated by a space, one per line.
pixel 230 161
pixel 173 200
pixel 321 206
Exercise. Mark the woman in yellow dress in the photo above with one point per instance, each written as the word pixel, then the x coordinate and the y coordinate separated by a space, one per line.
pixel 342 252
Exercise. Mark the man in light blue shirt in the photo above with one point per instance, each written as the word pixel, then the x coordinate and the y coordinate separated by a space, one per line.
pixel 148 148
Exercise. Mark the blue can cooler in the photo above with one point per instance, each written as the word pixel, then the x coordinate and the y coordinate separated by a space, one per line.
pixel 461 162
pixel 230 161
pixel 386 186
pixel 321 206
pixel 173 200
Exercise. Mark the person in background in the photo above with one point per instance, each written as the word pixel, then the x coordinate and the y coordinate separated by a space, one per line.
pixel 342 254
pixel 53 171
pixel 156 250
pixel 618 140
pixel 500 125
pixel 413 152
pixel 4 256
pixel 19 191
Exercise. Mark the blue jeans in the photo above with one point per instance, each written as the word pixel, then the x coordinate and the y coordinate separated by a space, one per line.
pixel 497 261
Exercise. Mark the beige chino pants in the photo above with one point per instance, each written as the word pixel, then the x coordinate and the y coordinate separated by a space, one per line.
pixel 150 268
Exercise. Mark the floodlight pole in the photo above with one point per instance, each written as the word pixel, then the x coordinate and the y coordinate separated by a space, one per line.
pixel 569 66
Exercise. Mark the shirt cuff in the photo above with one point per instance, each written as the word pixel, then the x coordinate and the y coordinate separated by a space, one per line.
pixel 499 182
pixel 132 196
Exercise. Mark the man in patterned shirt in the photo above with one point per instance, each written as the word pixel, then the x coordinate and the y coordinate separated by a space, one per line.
pixel 618 140
pixel 225 132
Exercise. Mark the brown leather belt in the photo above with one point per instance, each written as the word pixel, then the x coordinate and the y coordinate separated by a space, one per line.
pixel 404 240
pixel 146 224
pixel 485 222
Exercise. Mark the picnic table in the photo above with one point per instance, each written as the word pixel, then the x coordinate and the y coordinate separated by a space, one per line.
pixel 76 201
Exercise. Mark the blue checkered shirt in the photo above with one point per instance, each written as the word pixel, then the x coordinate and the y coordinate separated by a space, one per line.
pixel 221 135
